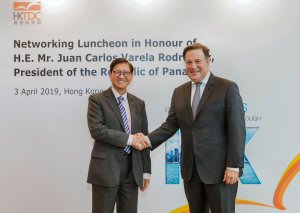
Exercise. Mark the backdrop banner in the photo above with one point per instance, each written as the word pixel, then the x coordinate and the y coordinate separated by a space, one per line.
pixel 54 54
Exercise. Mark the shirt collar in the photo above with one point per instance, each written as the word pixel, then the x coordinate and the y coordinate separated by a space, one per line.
pixel 116 93
pixel 205 80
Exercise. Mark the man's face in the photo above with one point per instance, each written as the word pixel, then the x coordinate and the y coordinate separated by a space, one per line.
pixel 197 65
pixel 121 81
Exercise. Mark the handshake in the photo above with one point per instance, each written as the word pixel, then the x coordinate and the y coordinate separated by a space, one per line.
pixel 140 142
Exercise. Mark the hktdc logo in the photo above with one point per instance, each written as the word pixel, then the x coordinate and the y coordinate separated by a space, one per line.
pixel 27 13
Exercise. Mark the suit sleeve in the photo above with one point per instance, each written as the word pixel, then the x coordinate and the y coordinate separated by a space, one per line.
pixel 236 130
pixel 167 129
pixel 99 131
pixel 146 152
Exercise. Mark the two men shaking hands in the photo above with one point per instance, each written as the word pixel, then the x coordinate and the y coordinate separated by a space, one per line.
pixel 208 111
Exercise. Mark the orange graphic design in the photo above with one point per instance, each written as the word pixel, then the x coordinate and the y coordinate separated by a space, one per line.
pixel 287 177
pixel 284 182
pixel 27 6
pixel 241 201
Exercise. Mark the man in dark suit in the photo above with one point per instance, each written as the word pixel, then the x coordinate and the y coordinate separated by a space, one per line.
pixel 117 167
pixel 209 113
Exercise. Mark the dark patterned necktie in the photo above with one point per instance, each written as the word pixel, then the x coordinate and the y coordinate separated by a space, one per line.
pixel 125 121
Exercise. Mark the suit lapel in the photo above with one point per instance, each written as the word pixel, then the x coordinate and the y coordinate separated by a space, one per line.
pixel 133 110
pixel 112 102
pixel 209 88
pixel 187 100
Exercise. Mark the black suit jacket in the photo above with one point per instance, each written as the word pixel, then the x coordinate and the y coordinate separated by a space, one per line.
pixel 215 139
pixel 107 128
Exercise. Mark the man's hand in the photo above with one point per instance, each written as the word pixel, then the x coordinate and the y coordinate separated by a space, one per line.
pixel 145 185
pixel 140 142
pixel 230 177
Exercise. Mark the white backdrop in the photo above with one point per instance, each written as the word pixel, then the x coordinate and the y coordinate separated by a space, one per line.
pixel 45 143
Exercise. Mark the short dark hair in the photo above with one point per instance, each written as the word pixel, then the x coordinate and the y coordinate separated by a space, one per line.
pixel 120 61
pixel 196 46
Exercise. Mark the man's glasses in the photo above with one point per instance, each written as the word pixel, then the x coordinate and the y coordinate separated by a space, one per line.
pixel 118 73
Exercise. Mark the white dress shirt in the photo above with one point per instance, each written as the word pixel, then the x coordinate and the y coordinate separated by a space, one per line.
pixel 202 87
pixel 125 104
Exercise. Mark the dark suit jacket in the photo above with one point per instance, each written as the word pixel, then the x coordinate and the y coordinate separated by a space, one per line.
pixel 107 128
pixel 216 138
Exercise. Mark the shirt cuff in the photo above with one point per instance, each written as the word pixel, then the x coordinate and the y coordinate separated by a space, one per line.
pixel 129 141
pixel 233 169
pixel 146 175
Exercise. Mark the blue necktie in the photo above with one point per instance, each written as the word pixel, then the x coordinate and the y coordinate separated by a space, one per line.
pixel 125 121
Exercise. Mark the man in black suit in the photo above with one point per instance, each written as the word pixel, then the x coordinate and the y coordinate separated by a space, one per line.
pixel 117 167
pixel 209 112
